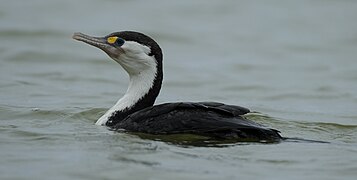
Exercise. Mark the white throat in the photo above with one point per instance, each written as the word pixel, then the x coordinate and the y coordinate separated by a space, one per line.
pixel 142 71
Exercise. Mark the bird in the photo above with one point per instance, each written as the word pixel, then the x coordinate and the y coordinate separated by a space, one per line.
pixel 142 58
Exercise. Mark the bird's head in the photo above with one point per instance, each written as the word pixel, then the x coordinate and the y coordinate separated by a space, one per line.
pixel 134 51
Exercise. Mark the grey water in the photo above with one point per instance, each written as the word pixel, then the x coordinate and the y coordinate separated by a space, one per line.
pixel 293 63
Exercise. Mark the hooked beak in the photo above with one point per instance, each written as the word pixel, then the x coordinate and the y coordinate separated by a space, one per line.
pixel 99 42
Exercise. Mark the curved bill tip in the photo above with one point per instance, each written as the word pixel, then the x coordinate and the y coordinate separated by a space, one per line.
pixel 94 41
pixel 78 36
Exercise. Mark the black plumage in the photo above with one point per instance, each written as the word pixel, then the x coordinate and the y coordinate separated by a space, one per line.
pixel 211 119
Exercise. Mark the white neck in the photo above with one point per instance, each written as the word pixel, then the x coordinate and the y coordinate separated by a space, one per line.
pixel 139 86
pixel 142 70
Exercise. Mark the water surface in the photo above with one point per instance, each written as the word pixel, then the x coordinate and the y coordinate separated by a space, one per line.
pixel 291 62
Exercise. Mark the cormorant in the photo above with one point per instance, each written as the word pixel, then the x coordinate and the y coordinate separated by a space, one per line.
pixel 141 57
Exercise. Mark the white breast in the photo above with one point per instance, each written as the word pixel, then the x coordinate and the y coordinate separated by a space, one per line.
pixel 142 71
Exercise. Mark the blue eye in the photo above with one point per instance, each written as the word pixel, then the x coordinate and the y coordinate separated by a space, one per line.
pixel 119 42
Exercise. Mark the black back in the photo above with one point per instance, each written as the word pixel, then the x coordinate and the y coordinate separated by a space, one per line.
pixel 203 118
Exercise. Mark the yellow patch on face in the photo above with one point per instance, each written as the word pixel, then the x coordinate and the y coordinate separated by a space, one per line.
pixel 111 40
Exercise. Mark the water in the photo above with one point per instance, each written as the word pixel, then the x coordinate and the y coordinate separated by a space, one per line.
pixel 292 62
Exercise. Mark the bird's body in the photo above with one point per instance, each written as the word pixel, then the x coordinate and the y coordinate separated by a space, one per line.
pixel 211 119
pixel 142 58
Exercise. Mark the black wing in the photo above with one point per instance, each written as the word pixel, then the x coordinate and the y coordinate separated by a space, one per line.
pixel 204 118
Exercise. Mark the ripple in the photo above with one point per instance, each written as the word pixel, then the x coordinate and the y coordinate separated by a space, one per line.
pixel 326 131
pixel 194 140
pixel 121 158
pixel 309 131
pixel 35 136
pixel 90 114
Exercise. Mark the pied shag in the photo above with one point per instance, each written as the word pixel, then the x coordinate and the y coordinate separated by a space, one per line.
pixel 141 57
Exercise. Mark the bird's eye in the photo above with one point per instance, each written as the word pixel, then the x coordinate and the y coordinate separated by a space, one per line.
pixel 115 41
pixel 119 42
